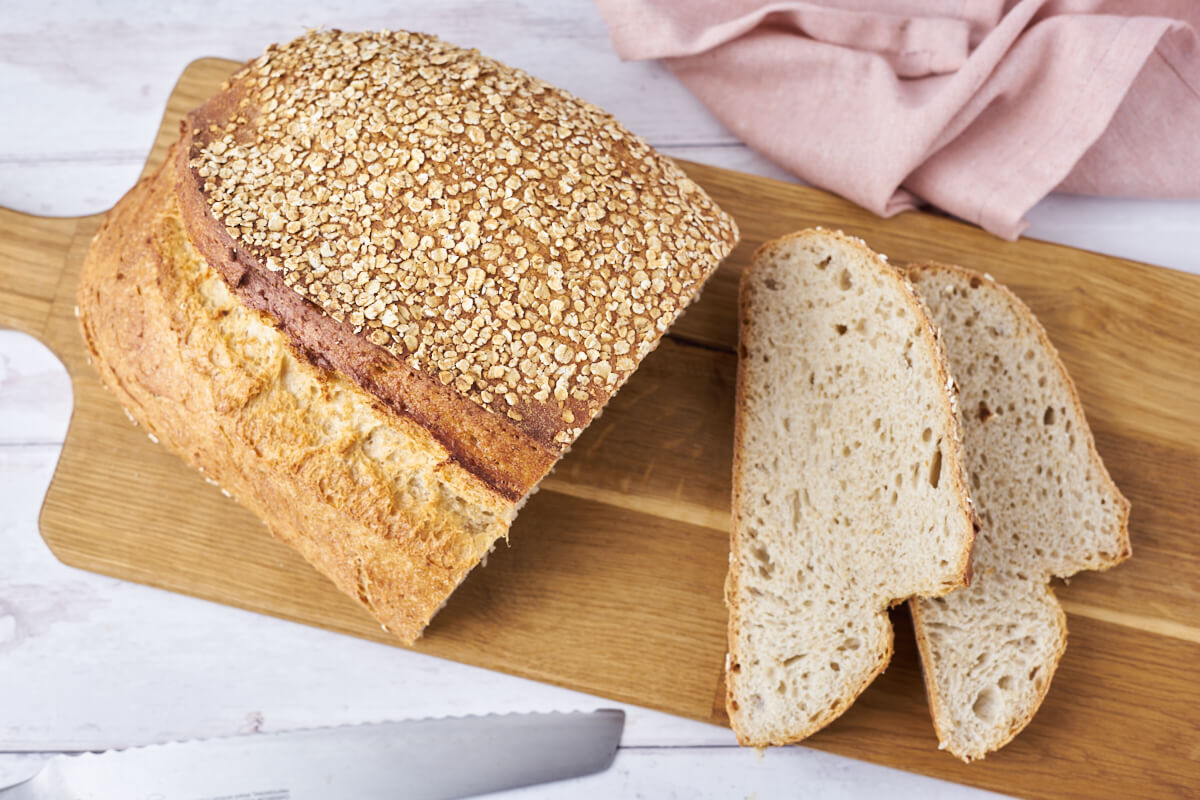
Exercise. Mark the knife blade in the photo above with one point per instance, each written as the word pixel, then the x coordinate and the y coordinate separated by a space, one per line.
pixel 426 758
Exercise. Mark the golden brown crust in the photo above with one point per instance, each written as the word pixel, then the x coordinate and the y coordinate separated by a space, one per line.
pixel 369 498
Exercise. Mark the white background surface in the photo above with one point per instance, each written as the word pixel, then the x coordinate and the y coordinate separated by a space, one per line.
pixel 88 662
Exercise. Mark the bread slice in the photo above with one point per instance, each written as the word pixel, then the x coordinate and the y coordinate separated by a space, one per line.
pixel 848 488
pixel 1047 505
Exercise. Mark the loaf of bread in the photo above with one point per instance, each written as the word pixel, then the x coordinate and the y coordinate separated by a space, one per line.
pixel 1047 508
pixel 379 287
pixel 849 493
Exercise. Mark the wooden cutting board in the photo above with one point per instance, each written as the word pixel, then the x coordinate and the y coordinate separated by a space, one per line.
pixel 613 581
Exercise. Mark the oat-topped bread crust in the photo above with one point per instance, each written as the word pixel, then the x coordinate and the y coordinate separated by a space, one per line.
pixel 378 288
pixel 487 231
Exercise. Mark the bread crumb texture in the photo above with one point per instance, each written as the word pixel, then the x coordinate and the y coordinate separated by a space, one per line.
pixel 1046 504
pixel 849 492
pixel 490 230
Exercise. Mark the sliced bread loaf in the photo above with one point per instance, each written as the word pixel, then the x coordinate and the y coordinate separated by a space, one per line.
pixel 1047 507
pixel 848 488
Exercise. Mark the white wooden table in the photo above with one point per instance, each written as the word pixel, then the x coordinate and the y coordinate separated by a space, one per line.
pixel 88 662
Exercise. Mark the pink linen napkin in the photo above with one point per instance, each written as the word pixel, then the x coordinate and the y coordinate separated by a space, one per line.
pixel 979 107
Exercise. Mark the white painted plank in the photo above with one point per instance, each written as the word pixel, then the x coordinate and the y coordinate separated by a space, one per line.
pixel 1162 232
pixel 99 83
pixel 722 773
pixel 67 187
pixel 717 773
pixel 35 392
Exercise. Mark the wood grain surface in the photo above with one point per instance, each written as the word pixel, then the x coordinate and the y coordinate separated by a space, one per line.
pixel 612 582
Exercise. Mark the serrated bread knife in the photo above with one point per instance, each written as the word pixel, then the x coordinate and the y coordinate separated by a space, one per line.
pixel 428 758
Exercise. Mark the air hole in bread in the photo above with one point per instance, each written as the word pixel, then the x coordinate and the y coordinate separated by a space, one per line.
pixel 852 643
pixel 1048 417
pixel 835 666
pixel 983 412
pixel 984 706
pixel 823 263
pixel 975 282
pixel 766 567
pixel 935 467
pixel 844 282
pixel 787 662
pixel 841 329
pixel 1005 682
pixel 772 284
pixel 926 434
pixel 975 483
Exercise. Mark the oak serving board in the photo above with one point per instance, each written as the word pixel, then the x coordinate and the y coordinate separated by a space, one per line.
pixel 612 583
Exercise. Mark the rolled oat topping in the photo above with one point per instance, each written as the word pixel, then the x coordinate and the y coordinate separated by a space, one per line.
pixel 490 230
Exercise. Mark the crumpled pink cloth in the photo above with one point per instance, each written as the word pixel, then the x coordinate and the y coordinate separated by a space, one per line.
pixel 979 107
